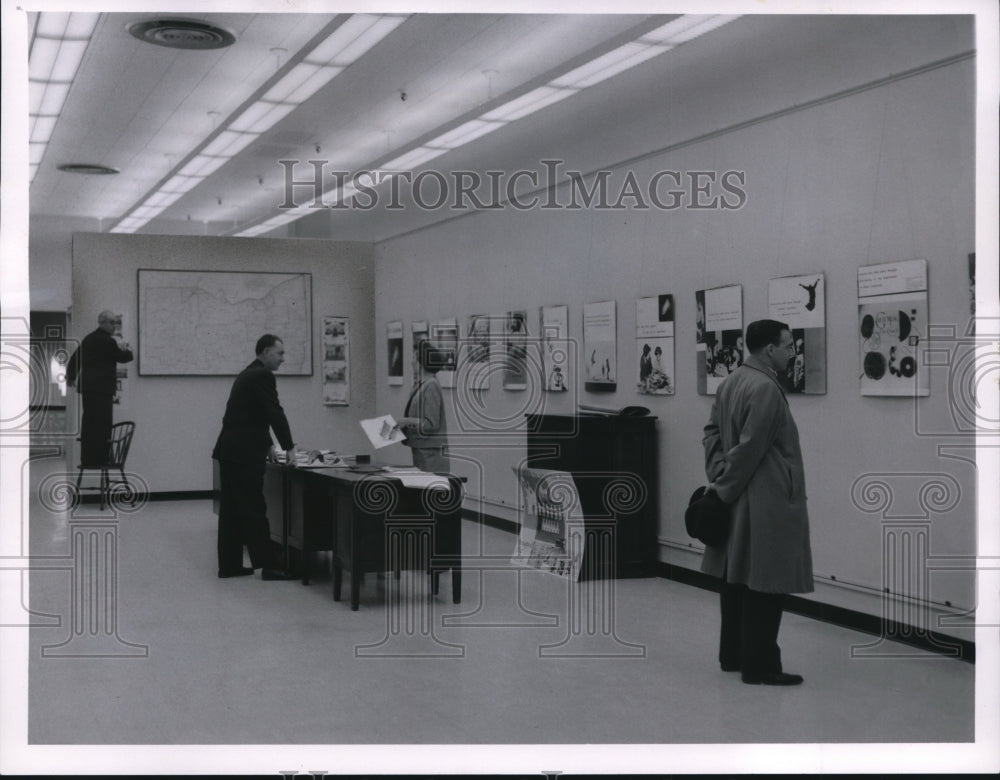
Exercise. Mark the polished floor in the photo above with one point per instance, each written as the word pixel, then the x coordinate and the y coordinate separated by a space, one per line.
pixel 174 655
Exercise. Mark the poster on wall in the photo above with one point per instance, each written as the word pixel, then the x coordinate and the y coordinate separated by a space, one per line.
pixel 336 361
pixel 420 333
pixel 800 302
pixel 554 324
pixel 719 334
pixel 515 339
pixel 546 541
pixel 892 323
pixel 654 333
pixel 394 351
pixel 476 352
pixel 444 336
pixel 600 342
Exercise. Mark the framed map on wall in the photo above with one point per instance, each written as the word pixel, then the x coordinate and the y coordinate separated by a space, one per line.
pixel 206 323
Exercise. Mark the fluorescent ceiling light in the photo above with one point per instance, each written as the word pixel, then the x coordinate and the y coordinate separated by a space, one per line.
pixel 329 50
pixel 412 159
pixel 180 184
pixel 381 28
pixel 324 62
pixel 261 116
pixel 35 152
pixel 52 24
pixel 315 83
pixel 252 114
pixel 528 103
pixel 465 133
pixel 205 165
pixel 42 130
pixel 53 100
pixel 81 25
pixel 68 60
pixel 336 49
pixel 44 52
pixel 607 65
pixel 36 94
pixel 353 38
pixel 687 28
pixel 58 44
pixel 290 82
pixel 146 212
pixel 162 198
pixel 229 143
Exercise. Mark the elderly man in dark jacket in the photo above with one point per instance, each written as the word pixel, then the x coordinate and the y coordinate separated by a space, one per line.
pixel 93 371
pixel 242 449
pixel 753 463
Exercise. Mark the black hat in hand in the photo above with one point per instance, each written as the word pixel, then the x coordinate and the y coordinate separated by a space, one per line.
pixel 708 518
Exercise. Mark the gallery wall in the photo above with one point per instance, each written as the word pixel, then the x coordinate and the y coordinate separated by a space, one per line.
pixel 878 174
pixel 179 417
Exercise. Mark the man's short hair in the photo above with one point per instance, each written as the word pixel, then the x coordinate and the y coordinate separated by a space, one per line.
pixel 107 316
pixel 265 341
pixel 760 333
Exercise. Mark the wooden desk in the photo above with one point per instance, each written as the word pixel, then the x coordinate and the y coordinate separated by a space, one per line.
pixel 370 522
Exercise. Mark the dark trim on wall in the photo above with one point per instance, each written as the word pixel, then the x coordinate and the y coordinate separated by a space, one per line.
pixel 492 521
pixel 163 495
pixel 888 631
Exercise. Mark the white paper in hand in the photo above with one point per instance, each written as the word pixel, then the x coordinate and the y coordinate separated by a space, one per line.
pixel 382 431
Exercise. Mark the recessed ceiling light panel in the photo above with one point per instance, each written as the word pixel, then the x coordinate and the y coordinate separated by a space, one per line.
pixel 87 168
pixel 182 34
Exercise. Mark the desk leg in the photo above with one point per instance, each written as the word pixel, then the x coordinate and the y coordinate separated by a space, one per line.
pixel 456 585
pixel 306 558
pixel 355 589
pixel 338 578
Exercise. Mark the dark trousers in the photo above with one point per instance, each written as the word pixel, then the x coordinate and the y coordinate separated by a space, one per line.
pixel 749 636
pixel 95 429
pixel 243 517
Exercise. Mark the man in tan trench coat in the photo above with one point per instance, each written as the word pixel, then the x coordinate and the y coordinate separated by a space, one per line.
pixel 753 462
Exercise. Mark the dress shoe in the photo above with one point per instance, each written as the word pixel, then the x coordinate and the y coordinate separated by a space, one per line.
pixel 730 667
pixel 772 678
pixel 243 571
pixel 276 574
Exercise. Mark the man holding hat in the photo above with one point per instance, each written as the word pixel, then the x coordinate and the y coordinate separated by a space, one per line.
pixel 754 464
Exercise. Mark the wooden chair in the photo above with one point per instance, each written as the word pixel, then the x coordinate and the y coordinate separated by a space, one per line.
pixel 118 446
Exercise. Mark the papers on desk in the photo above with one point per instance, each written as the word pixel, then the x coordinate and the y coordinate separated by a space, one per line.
pixel 415 478
pixel 382 431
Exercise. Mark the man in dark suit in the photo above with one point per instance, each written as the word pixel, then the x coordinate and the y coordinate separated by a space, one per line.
pixel 92 370
pixel 242 449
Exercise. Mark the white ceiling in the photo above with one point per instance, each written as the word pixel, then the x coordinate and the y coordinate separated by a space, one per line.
pixel 145 109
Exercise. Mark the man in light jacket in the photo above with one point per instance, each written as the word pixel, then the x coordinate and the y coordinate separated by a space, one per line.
pixel 754 463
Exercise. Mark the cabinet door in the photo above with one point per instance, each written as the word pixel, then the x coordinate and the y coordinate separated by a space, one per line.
pixel 274 497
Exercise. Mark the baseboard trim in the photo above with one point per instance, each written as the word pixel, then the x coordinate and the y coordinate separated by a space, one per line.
pixel 942 644
pixel 874 625
pixel 162 495
pixel 491 520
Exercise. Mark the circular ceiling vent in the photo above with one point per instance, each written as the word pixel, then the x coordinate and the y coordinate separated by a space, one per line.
pixel 86 168
pixel 182 34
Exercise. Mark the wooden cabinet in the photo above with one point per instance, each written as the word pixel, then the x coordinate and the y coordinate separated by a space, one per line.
pixel 613 461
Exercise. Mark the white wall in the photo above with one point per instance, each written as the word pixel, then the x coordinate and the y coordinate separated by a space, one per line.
pixel 178 418
pixel 878 175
